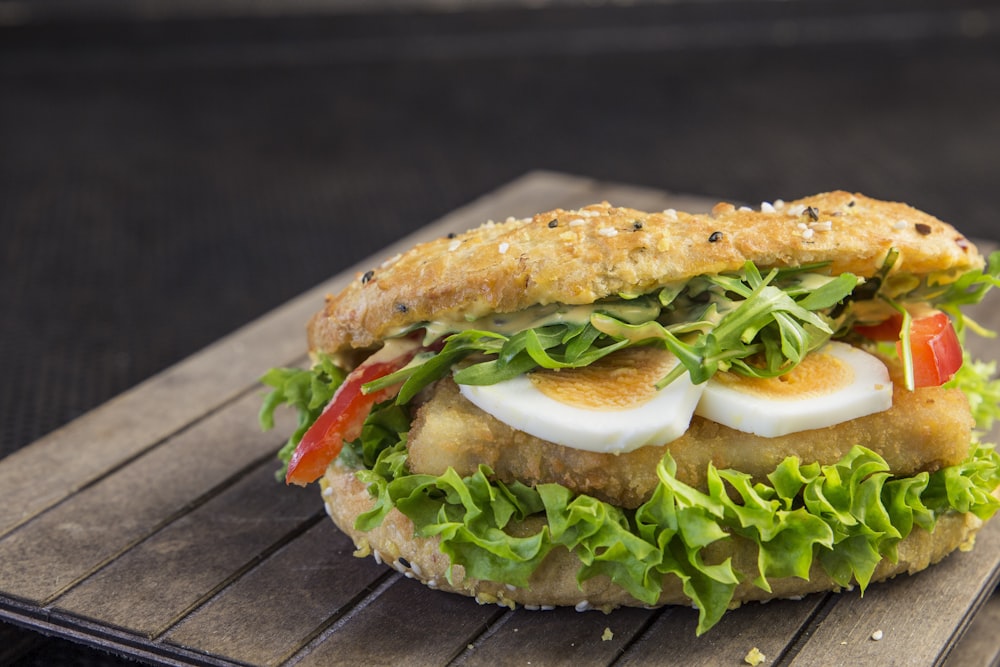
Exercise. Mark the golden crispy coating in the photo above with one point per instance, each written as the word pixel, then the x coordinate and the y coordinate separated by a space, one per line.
pixel 554 582
pixel 579 256
pixel 925 430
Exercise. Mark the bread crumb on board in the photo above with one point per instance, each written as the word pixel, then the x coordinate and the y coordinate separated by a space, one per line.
pixel 754 657
pixel 608 635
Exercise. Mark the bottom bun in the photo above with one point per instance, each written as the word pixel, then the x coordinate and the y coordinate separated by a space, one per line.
pixel 554 583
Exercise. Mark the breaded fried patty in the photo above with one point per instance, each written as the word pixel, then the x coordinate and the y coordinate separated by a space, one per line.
pixel 451 431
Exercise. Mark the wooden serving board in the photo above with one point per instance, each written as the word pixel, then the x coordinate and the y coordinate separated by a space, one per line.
pixel 159 532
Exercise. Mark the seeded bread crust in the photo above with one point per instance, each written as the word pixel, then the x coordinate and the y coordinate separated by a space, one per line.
pixel 554 582
pixel 580 256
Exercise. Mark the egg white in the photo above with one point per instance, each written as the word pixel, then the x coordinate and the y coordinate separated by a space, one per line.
pixel 860 386
pixel 865 390
pixel 664 417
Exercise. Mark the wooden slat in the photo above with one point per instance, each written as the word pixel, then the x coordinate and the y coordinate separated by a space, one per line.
pixel 918 616
pixel 277 608
pixel 404 621
pixel 155 584
pixel 141 542
pixel 769 627
pixel 44 557
pixel 560 636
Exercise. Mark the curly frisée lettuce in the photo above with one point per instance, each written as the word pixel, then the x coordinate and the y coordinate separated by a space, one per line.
pixel 846 517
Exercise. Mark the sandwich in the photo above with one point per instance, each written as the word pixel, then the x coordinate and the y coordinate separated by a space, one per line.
pixel 606 407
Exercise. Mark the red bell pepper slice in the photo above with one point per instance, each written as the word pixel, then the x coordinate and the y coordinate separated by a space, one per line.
pixel 934 345
pixel 343 417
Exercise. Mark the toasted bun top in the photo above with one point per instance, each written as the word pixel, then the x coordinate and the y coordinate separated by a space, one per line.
pixel 580 256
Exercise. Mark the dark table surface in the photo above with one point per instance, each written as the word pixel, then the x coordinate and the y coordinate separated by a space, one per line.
pixel 168 174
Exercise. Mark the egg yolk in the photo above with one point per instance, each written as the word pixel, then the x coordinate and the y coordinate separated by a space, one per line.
pixel 619 381
pixel 816 375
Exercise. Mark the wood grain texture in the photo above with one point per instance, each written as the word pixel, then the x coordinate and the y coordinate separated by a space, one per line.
pixel 160 533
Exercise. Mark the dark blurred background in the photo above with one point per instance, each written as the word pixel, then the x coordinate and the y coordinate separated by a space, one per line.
pixel 171 170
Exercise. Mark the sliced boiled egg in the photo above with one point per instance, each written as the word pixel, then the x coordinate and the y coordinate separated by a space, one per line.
pixel 834 384
pixel 611 406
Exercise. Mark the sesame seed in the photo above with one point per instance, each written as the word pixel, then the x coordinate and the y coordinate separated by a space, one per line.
pixel 807 233
pixel 745 209
pixel 779 204
pixel 670 213
pixel 503 247
pixel 510 219
pixel 766 207
pixel 608 231
pixel 715 237
pixel 797 210
pixel 576 222
pixel 900 224
pixel 802 225
pixel 922 228
pixel 582 605
pixel 822 226
pixel 813 212
pixel 368 276
pixel 553 223
pixel 877 635
pixel 454 245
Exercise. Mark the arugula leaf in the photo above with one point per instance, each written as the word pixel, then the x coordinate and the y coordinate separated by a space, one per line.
pixel 764 322
pixel 710 323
